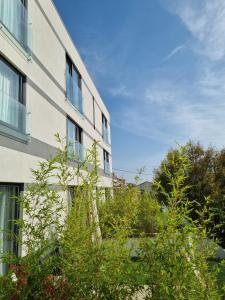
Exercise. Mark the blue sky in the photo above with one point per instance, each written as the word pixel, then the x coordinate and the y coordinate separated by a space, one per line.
pixel 160 67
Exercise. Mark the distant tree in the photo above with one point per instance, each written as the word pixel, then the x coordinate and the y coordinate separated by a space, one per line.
pixel 205 179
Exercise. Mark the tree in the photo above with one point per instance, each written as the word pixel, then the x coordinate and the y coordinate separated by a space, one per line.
pixel 205 180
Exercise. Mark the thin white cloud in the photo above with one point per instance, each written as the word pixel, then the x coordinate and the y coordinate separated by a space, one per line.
pixel 171 111
pixel 194 108
pixel 204 19
pixel 96 61
pixel 163 109
pixel 174 52
pixel 161 92
pixel 120 91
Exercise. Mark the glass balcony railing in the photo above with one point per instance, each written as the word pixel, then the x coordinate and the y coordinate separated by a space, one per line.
pixel 75 151
pixel 74 94
pixel 79 151
pixel 105 134
pixel 14 117
pixel 107 168
pixel 79 101
pixel 14 18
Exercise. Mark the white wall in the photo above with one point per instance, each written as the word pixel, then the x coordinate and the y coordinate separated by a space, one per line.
pixel 45 92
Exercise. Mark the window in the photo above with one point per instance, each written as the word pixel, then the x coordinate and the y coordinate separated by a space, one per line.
pixel 73 85
pixel 74 141
pixel 105 129
pixel 14 17
pixel 12 109
pixel 9 211
pixel 106 162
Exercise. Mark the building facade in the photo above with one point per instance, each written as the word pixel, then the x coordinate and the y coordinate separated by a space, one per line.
pixel 44 89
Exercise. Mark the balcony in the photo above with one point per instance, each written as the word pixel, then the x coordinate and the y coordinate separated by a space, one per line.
pixel 15 24
pixel 107 168
pixel 105 134
pixel 14 118
pixel 75 151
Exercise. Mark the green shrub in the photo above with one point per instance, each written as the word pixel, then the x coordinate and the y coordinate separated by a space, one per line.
pixel 89 254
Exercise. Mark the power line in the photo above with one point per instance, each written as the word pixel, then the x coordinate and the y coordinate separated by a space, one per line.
pixel 132 172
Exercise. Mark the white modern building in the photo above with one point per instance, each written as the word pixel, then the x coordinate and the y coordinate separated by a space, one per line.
pixel 45 89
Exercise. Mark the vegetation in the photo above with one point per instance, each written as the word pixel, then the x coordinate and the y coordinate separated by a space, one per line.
pixel 206 180
pixel 121 248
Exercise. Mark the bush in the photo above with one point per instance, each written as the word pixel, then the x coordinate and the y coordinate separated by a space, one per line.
pixel 88 254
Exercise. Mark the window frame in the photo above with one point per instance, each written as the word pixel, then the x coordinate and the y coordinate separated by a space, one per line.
pixel 104 121
pixel 78 134
pixel 18 133
pixel 24 31
pixel 72 69
pixel 105 125
pixel 78 130
pixel 106 160
pixel 24 2
pixel 17 215
pixel 106 156
pixel 22 80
